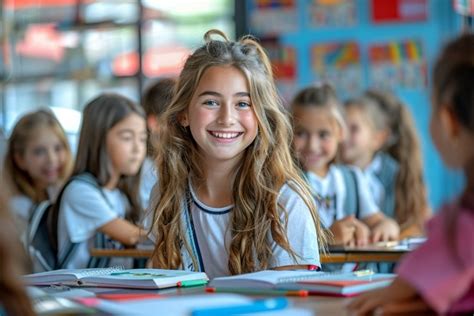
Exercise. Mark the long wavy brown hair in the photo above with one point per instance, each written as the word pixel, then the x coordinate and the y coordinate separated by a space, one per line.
pixel 25 130
pixel 266 165
pixel 385 110
pixel 13 298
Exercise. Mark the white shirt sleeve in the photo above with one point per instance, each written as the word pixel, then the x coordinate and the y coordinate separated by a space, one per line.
pixel 301 232
pixel 367 204
pixel 147 220
pixel 85 210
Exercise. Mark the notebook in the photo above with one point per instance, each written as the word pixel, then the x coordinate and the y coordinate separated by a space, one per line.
pixel 118 277
pixel 335 283
pixel 345 284
pixel 266 279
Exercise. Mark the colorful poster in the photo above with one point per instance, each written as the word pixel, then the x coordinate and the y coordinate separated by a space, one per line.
pixel 399 11
pixel 273 17
pixel 332 13
pixel 398 64
pixel 282 57
pixel 284 65
pixel 339 64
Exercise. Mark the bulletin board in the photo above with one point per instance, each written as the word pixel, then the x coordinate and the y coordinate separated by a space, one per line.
pixel 398 64
pixel 338 63
pixel 357 44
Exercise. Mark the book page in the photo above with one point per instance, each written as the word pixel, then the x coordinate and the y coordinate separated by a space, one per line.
pixel 262 279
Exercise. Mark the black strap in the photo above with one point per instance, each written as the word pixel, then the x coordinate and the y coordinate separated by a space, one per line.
pixel 189 200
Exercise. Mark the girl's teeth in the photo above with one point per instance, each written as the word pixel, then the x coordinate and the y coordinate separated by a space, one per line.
pixel 225 135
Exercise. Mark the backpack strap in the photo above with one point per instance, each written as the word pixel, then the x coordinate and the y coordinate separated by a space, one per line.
pixel 351 202
pixel 190 238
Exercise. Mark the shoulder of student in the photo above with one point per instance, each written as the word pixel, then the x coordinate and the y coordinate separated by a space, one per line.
pixel 290 197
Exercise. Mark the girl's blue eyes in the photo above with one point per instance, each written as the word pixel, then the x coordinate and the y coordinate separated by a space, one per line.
pixel 240 105
pixel 243 104
pixel 211 103
pixel 321 134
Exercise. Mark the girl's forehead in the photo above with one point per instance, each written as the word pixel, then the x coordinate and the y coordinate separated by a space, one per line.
pixel 43 134
pixel 310 111
pixel 314 119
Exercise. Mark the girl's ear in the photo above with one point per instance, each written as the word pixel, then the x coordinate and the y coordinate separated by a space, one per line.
pixel 152 123
pixel 381 137
pixel 183 119
pixel 449 121
pixel 19 161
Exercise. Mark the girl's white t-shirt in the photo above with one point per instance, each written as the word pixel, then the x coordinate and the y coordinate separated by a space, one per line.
pixel 332 190
pixel 148 179
pixel 211 226
pixel 82 211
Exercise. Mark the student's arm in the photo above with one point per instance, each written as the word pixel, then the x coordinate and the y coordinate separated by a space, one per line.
pixel 350 232
pixel 416 229
pixel 123 231
pixel 342 231
pixel 399 297
pixel 382 227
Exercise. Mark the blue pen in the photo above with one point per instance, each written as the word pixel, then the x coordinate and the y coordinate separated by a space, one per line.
pixel 256 306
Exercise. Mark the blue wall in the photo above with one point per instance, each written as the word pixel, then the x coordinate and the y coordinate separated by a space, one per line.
pixel 442 23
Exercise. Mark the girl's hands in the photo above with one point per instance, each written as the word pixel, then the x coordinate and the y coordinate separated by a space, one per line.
pixel 342 231
pixel 399 297
pixel 350 232
pixel 387 229
pixel 361 234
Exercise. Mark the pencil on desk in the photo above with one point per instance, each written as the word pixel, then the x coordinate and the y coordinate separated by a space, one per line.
pixel 300 293
pixel 190 283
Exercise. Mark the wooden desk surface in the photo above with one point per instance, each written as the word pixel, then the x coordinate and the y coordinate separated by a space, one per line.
pixel 336 257
pixel 320 305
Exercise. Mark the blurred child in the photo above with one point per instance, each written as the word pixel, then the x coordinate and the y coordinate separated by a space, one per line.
pixel 155 100
pixel 230 199
pixel 37 162
pixel 421 284
pixel 345 205
pixel 102 196
pixel 383 143
pixel 13 298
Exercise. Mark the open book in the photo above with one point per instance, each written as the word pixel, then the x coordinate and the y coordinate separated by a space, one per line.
pixel 335 283
pixel 118 277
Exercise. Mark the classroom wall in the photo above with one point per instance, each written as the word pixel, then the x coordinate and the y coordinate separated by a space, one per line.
pixel 441 24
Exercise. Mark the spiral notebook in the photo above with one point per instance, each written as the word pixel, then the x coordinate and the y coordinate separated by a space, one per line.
pixel 334 283
pixel 118 277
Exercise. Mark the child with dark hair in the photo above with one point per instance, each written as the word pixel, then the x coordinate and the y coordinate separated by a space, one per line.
pixel 421 285
pixel 155 101
pixel 102 197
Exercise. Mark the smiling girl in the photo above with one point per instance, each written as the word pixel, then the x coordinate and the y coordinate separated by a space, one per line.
pixel 230 199
pixel 37 162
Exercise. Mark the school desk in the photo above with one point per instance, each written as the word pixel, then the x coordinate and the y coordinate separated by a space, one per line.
pixel 320 305
pixel 335 255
